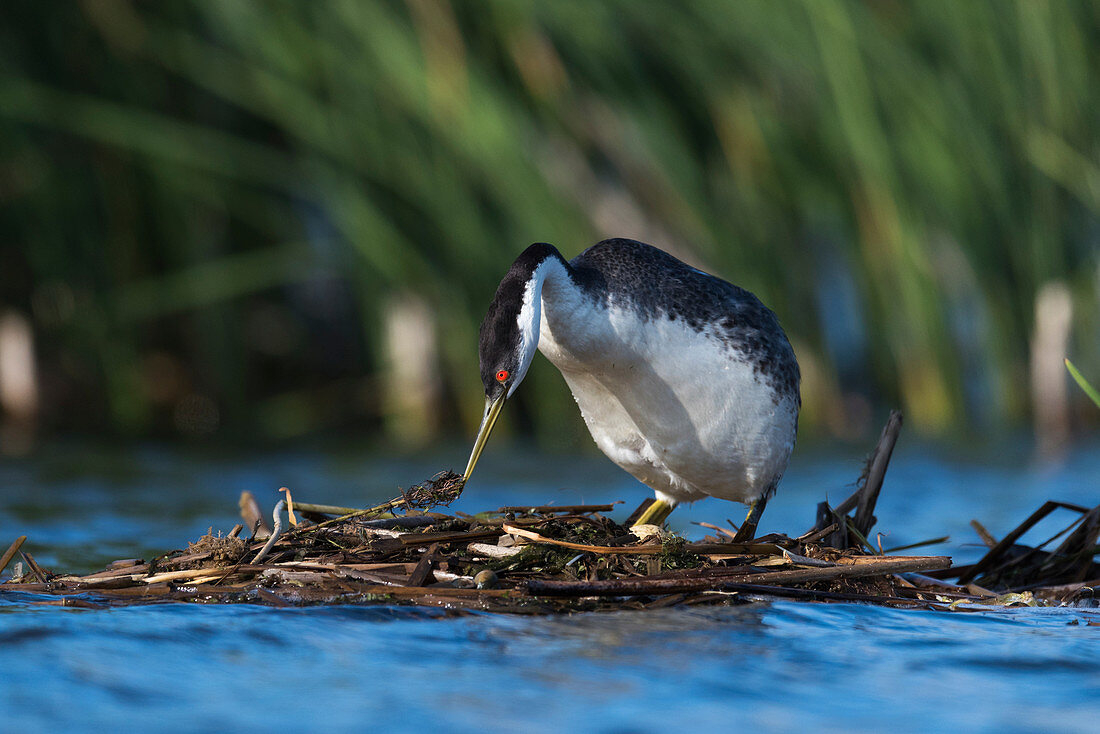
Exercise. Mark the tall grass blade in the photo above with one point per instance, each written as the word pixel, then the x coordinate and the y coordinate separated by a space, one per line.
pixel 1089 389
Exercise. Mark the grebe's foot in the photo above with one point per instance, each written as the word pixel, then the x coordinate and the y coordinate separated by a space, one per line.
pixel 655 514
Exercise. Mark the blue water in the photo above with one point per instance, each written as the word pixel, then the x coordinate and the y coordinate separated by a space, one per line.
pixel 778 666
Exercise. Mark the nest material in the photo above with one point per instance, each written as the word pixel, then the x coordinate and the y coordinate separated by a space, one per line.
pixel 539 560
pixel 548 559
pixel 221 550
pixel 439 491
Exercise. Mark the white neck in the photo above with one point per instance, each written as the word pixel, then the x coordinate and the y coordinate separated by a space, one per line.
pixel 530 313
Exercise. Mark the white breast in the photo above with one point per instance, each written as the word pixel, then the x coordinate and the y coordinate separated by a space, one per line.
pixel 670 405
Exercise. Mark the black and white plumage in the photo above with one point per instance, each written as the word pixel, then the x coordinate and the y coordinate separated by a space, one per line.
pixel 684 380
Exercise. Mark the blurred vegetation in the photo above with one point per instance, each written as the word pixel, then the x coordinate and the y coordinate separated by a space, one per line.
pixel 226 216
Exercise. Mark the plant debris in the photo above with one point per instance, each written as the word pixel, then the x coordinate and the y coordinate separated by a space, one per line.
pixel 220 550
pixel 554 559
pixel 1068 573
pixel 528 562
pixel 439 491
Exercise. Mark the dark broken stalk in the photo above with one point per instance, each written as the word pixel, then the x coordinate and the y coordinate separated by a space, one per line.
pixel 1072 561
pixel 32 564
pixel 423 567
pixel 876 473
pixel 864 499
pixel 1078 550
pixel 838 521
pixel 997 552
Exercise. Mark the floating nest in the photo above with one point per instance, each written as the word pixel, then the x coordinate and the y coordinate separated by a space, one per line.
pixel 554 559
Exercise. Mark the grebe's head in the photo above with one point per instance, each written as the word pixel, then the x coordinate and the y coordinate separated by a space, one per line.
pixel 510 335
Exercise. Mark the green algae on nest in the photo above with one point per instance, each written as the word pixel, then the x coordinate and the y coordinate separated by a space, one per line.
pixel 675 555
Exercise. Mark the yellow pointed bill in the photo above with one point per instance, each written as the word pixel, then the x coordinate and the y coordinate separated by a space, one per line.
pixel 492 410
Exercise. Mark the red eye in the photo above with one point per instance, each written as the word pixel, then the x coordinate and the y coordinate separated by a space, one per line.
pixel 502 375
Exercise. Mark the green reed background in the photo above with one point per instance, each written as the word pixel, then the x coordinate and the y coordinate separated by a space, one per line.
pixel 210 209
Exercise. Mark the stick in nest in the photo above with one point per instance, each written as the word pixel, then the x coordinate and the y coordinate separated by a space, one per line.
pixel 441 490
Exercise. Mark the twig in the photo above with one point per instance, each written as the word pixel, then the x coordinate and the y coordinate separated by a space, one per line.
pixel 716 529
pixel 569 509
pixel 34 567
pixel 326 509
pixel 806 561
pixel 644 586
pixel 384 507
pixel 602 549
pixel 985 535
pixel 415 539
pixel 815 535
pixel 10 552
pixel 186 574
pixel 423 568
pixel 408 521
pixel 919 544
